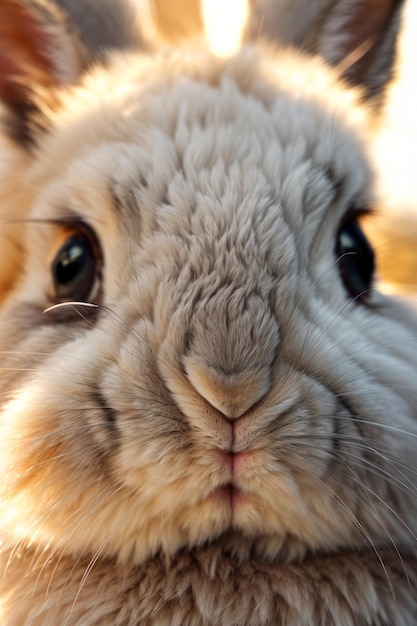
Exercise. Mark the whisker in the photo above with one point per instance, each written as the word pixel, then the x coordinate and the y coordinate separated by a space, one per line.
pixel 385 504
pixel 72 305
pixel 381 425
pixel 356 55
pixel 349 513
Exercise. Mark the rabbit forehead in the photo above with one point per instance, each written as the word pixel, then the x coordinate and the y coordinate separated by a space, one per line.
pixel 215 146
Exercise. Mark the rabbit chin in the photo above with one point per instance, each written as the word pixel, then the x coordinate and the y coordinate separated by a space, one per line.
pixel 236 522
pixel 116 523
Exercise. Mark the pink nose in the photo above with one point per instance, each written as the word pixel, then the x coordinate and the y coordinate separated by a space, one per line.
pixel 231 394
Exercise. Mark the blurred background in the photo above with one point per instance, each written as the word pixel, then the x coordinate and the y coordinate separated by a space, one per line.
pixel 395 154
pixel 396 147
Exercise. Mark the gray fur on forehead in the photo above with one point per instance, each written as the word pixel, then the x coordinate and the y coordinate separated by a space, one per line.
pixel 284 150
pixel 191 113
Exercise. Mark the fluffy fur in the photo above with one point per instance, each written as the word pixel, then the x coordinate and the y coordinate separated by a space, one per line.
pixel 229 438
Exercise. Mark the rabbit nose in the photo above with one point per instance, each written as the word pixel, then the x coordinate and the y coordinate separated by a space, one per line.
pixel 231 348
pixel 231 394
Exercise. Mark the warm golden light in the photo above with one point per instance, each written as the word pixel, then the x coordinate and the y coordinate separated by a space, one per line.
pixel 224 21
pixel 396 145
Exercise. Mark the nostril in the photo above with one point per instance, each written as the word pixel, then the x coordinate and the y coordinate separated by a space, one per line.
pixel 230 393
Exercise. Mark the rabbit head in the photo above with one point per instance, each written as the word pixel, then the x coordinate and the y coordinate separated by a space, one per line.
pixel 192 346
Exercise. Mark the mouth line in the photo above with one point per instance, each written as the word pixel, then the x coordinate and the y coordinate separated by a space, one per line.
pixel 230 494
pixel 231 486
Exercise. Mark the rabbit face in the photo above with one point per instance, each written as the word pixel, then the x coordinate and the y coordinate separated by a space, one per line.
pixel 230 381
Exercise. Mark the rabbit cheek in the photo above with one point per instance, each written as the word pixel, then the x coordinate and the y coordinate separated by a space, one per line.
pixel 56 437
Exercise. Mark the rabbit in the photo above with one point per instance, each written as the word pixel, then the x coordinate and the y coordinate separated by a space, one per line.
pixel 208 409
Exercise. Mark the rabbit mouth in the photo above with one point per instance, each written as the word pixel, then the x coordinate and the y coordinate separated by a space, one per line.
pixel 230 494
pixel 233 490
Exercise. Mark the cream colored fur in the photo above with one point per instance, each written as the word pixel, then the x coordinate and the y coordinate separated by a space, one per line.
pixel 231 438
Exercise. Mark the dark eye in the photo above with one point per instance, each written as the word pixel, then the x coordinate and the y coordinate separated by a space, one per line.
pixel 356 259
pixel 75 268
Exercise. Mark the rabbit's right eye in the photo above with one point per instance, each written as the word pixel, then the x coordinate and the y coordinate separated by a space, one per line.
pixel 75 268
pixel 356 260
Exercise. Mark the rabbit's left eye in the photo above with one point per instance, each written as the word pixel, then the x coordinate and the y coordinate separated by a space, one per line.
pixel 356 259
pixel 75 267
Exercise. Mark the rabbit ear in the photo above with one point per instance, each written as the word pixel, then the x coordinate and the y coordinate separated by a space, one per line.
pixel 357 35
pixel 39 50
pixel 113 24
